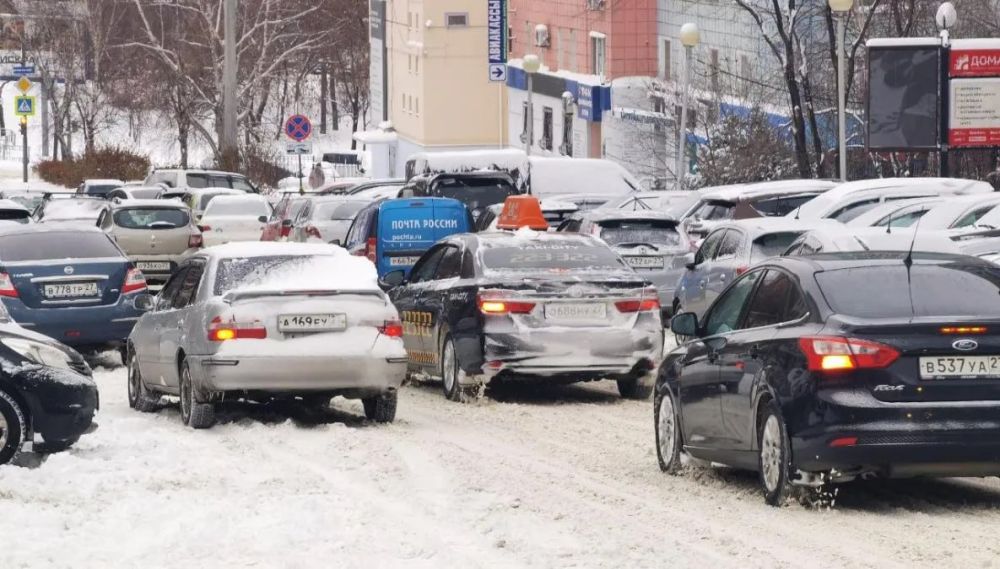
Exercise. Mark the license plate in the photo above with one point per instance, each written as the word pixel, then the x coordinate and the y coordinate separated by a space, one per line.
pixel 589 311
pixel 957 367
pixel 311 322
pixel 70 290
pixel 644 262
pixel 403 261
pixel 153 266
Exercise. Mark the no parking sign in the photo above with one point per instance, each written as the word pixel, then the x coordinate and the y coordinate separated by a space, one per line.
pixel 298 127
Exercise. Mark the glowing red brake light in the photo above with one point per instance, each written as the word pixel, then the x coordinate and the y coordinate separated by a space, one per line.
pixel 195 241
pixel 221 332
pixel 205 228
pixel 649 301
pixel 370 249
pixel 134 281
pixel 7 286
pixel 836 354
pixel 391 328
pixel 496 306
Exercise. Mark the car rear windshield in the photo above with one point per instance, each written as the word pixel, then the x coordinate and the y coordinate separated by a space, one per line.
pixel 151 218
pixel 146 193
pixel 955 289
pixel 56 245
pixel 645 231
pixel 772 245
pixel 208 181
pixel 715 210
pixel 557 257
pixel 476 193
pixel 781 205
pixel 73 209
pixel 239 271
pixel 207 198
pixel 338 210
pixel 100 189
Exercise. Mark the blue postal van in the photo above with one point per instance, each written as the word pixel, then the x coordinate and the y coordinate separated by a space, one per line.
pixel 393 234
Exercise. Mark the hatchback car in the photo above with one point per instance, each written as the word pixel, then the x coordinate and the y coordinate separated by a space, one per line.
pixel 234 218
pixel 155 234
pixel 850 200
pixel 800 374
pixel 199 199
pixel 197 179
pixel 46 389
pixel 136 193
pixel 727 253
pixel 527 306
pixel 83 211
pixel 70 283
pixel 652 243
pixel 326 219
pixel 264 321
pixel 99 188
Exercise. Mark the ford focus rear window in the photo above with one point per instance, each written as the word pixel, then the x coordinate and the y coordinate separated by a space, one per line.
pixel 640 232
pixel 151 218
pixel 56 245
pixel 947 290
pixel 551 257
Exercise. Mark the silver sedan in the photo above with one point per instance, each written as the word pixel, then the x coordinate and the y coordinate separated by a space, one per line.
pixel 264 321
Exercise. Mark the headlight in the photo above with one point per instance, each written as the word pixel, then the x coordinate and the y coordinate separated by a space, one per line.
pixel 39 353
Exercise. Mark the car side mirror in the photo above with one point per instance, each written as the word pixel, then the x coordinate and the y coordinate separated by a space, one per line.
pixel 689 263
pixel 684 324
pixel 263 219
pixel 144 303
pixel 392 279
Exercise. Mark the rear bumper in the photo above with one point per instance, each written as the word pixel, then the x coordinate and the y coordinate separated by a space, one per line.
pixel 578 355
pixel 862 434
pixel 368 372
pixel 62 403
pixel 79 326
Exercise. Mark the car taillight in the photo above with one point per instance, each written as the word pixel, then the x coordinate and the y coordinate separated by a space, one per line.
pixel 741 270
pixel 391 328
pixel 205 228
pixel 833 353
pixel 286 230
pixel 134 281
pixel 7 286
pixel 650 301
pixel 313 232
pixel 491 305
pixel 370 249
pixel 219 331
pixel 195 241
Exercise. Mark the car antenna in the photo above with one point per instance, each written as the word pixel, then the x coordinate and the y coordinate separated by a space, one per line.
pixel 908 260
pixel 797 210
pixel 888 226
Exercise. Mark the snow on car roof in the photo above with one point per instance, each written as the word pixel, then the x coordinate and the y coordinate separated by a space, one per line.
pixel 742 191
pixel 470 160
pixel 10 204
pixel 823 204
pixel 625 214
pixel 103 182
pixel 762 225
pixel 224 191
pixel 150 203
pixel 555 176
pixel 507 239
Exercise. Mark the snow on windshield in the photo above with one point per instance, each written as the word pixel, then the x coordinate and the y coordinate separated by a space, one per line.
pixel 646 231
pixel 73 209
pixel 241 206
pixel 295 272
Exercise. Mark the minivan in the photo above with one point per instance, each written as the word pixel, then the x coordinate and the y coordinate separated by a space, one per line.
pixel 477 190
pixel 393 234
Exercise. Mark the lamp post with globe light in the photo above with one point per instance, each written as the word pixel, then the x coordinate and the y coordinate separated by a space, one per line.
pixel 689 39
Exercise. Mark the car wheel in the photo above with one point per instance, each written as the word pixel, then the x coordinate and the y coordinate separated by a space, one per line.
pixel 668 432
pixel 381 408
pixel 775 456
pixel 194 414
pixel 633 388
pixel 139 398
pixel 13 425
pixel 450 372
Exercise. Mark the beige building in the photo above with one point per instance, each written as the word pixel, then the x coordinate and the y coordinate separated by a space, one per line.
pixel 439 93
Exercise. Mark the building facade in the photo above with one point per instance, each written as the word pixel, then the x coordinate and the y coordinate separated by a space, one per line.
pixel 586 47
pixel 437 91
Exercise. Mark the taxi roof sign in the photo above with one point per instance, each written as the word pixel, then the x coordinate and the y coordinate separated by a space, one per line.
pixel 522 211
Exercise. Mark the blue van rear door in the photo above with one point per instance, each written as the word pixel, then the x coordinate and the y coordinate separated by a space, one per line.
pixel 405 233
pixel 450 217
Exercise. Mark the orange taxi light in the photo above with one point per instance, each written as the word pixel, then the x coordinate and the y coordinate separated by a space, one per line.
pixel 522 211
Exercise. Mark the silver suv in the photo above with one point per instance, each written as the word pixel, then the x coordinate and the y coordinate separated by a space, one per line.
pixel 156 234
pixel 196 179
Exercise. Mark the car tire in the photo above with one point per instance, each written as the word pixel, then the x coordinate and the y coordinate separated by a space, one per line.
pixel 669 440
pixel 632 388
pixel 194 414
pixel 139 398
pixel 381 408
pixel 450 372
pixel 13 426
pixel 774 457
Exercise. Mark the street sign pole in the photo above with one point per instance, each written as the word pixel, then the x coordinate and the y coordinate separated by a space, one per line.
pixel 302 190
pixel 24 147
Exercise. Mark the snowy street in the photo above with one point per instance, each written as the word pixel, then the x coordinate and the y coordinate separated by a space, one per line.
pixel 548 477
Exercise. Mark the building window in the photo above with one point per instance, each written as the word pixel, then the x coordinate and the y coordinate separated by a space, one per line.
pixel 659 106
pixel 561 48
pixel 510 39
pixel 416 64
pixel 404 101
pixel 598 50
pixel 456 19
pixel 572 50
pixel 417 108
pixel 409 20
pixel 546 143
pixel 409 63
pixel 665 71
pixel 524 123
pixel 409 102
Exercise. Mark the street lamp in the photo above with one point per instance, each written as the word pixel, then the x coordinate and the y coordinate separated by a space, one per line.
pixel 531 65
pixel 841 8
pixel 689 39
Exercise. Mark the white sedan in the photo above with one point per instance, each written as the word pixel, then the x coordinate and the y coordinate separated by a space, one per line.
pixel 234 218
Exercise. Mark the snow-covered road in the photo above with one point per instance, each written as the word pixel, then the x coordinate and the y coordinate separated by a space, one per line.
pixel 552 477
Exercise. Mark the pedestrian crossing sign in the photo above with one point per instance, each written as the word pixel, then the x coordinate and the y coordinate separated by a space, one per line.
pixel 24 106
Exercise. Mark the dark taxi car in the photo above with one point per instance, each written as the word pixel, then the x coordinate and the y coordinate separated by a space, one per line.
pixel 801 374
pixel 528 306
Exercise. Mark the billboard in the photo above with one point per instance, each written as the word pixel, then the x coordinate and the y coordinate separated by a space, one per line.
pixel 974 112
pixel 903 96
